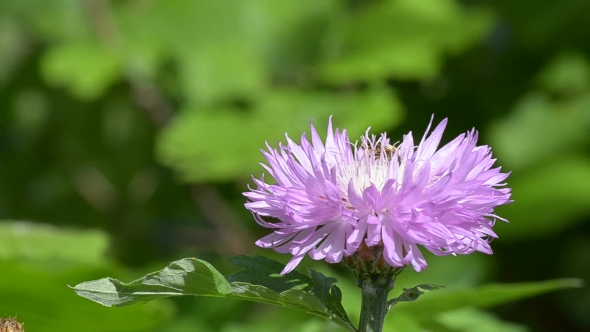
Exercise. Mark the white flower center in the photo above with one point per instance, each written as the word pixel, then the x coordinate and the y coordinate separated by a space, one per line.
pixel 369 166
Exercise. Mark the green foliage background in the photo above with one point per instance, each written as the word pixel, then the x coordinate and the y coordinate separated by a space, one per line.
pixel 129 129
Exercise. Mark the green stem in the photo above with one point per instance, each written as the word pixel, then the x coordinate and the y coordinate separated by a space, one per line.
pixel 374 303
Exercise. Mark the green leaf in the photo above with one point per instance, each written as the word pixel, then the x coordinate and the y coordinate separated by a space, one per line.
pixel 263 271
pixel 195 277
pixel 188 276
pixel 210 42
pixel 331 296
pixel 266 272
pixel 211 74
pixel 412 294
pixel 486 296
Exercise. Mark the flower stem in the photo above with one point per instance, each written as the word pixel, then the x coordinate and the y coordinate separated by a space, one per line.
pixel 374 302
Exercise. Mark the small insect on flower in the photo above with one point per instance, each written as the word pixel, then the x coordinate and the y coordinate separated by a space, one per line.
pixel 388 151
pixel 330 197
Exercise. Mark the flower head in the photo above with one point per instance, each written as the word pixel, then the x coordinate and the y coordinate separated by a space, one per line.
pixel 331 197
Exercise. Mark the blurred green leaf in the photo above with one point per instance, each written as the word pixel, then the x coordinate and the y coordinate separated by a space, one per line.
pixel 401 321
pixel 404 39
pixel 549 199
pixel 62 65
pixel 541 130
pixel 568 73
pixel 238 136
pixel 220 73
pixel 212 41
pixel 482 297
pixel 295 35
pixel 26 241
pixel 195 277
pixel 266 324
pixel 225 50
pixel 473 320
pixel 52 20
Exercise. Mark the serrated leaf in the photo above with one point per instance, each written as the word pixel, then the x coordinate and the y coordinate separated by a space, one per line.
pixel 412 294
pixel 483 297
pixel 195 277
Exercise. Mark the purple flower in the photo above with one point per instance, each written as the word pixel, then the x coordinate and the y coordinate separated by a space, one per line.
pixel 330 197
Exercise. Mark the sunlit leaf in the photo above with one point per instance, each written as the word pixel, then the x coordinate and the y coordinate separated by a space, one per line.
pixel 198 278
pixel 183 277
